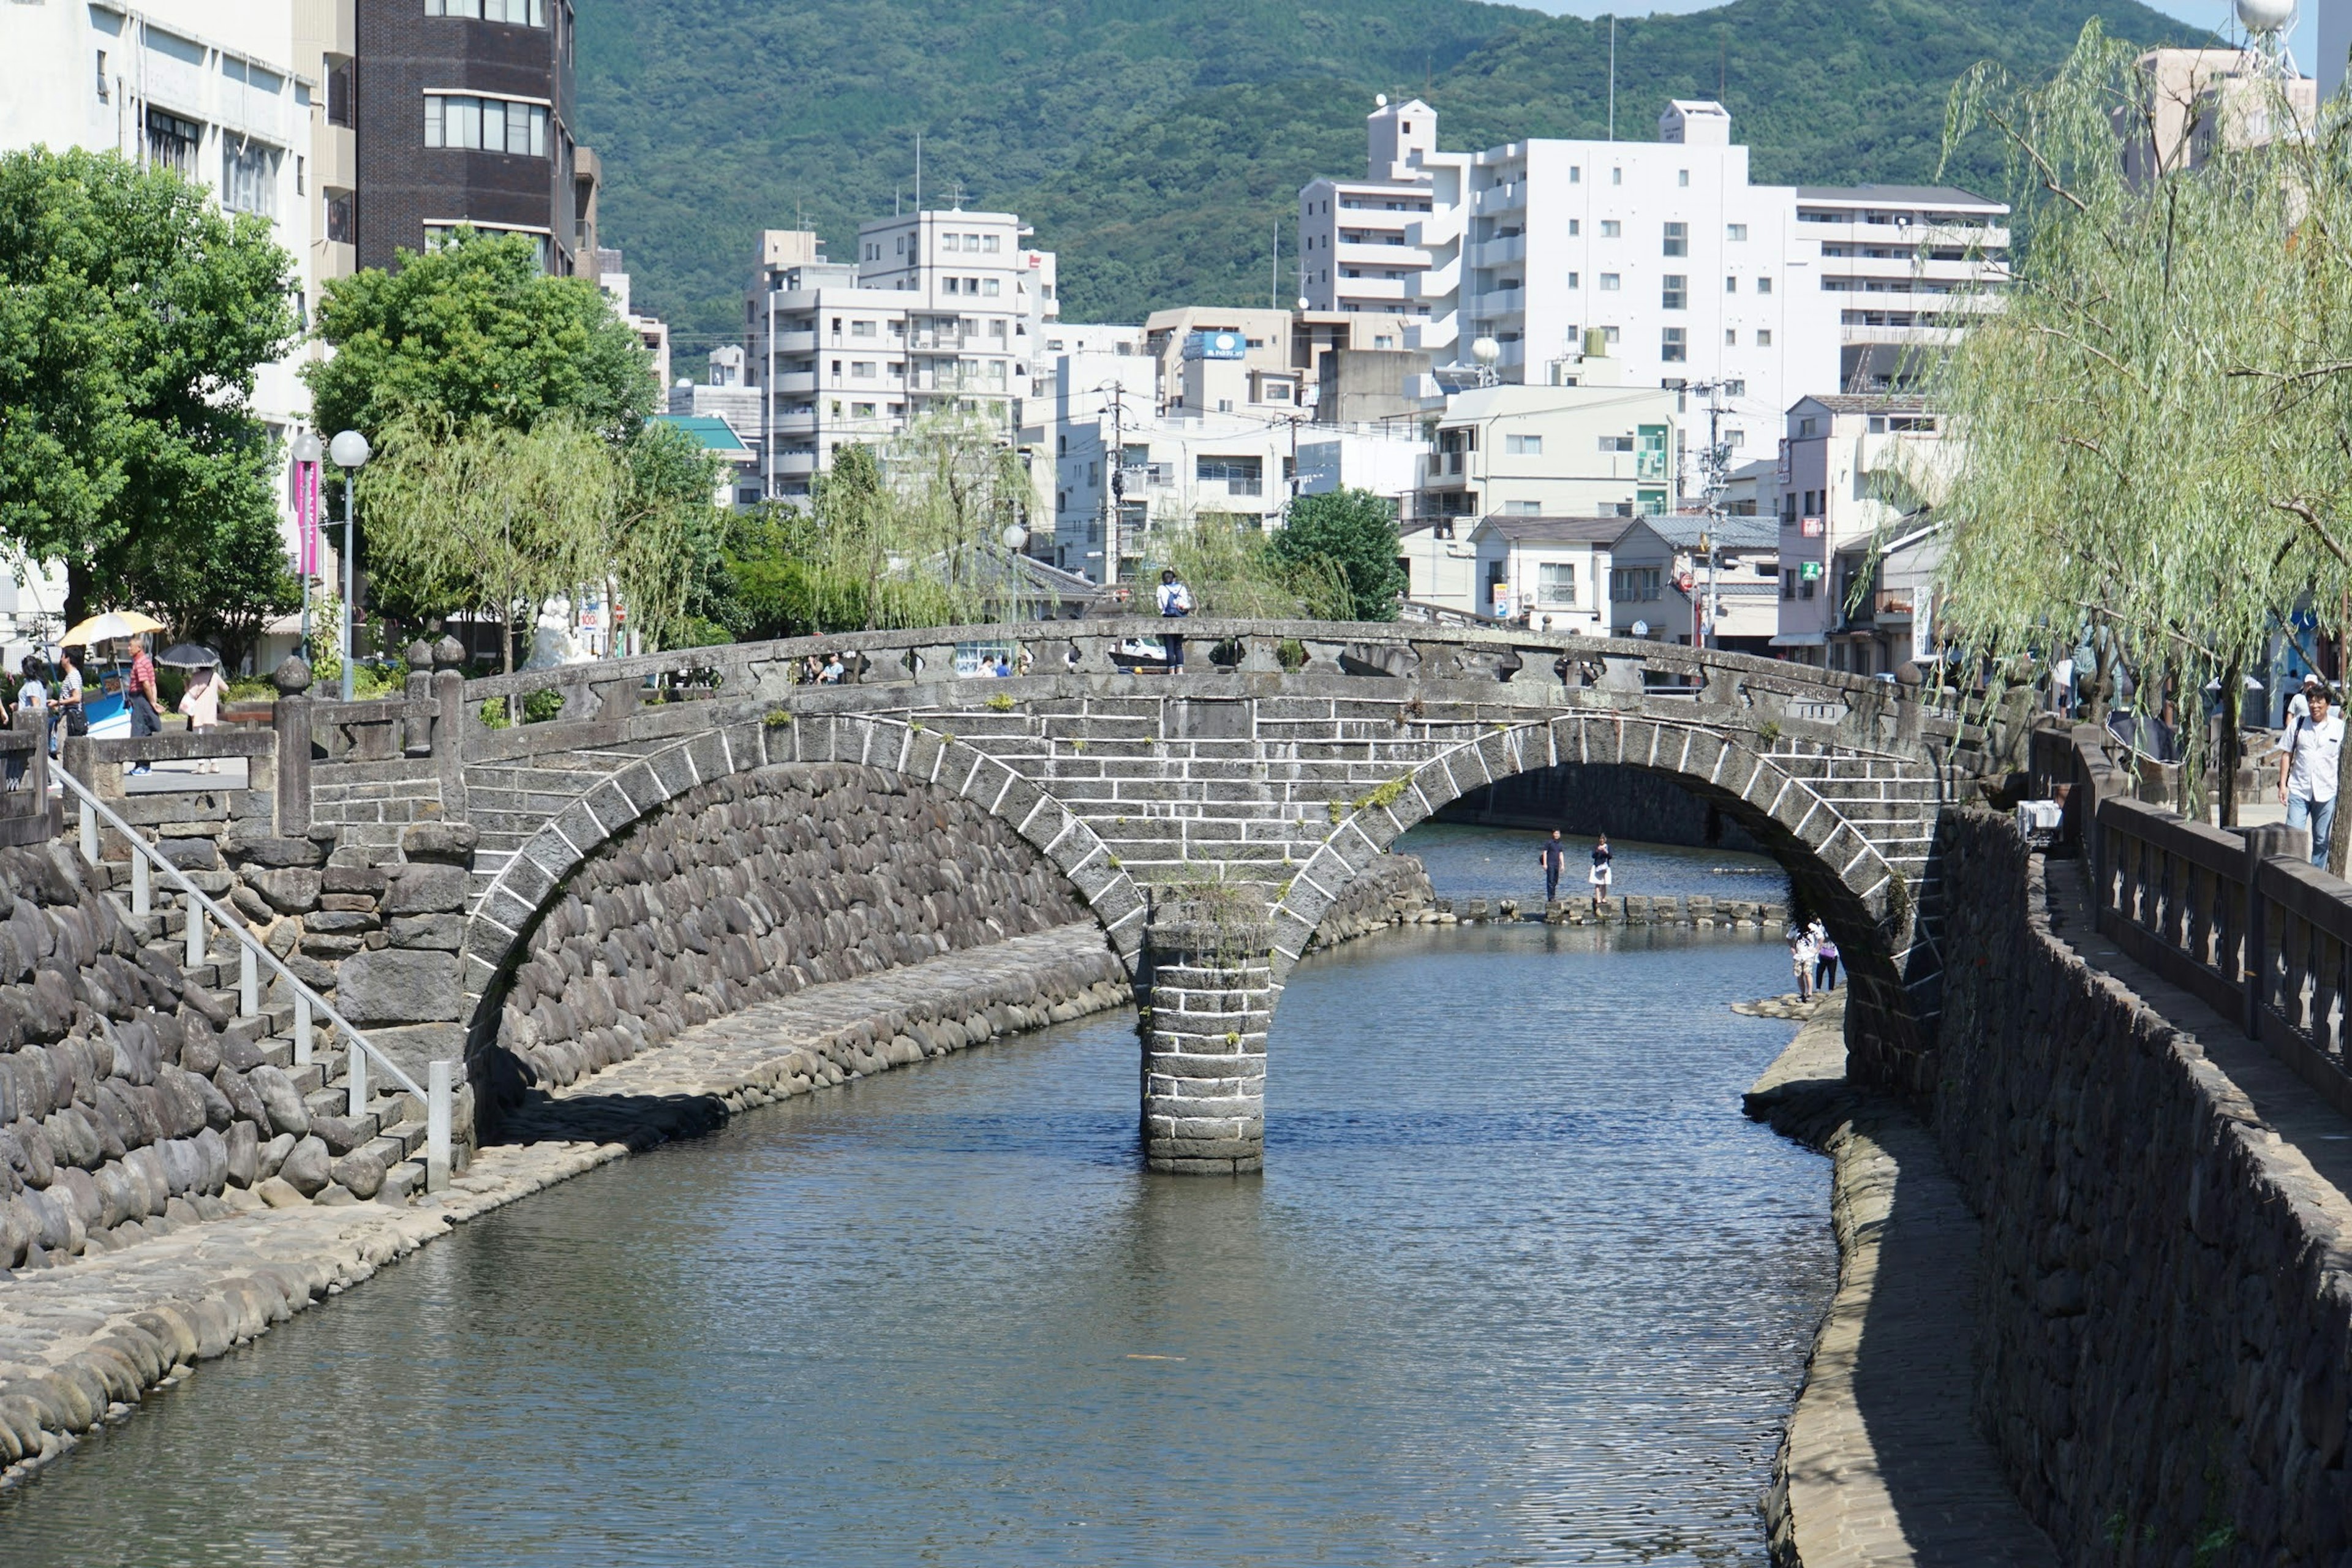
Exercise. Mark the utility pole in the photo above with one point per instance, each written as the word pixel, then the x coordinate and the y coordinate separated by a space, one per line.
pixel 1116 490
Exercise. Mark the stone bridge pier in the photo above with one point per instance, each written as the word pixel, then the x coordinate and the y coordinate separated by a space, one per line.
pixel 536 875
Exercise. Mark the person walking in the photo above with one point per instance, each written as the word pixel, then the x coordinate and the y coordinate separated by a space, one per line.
pixel 66 711
pixel 1175 603
pixel 1554 856
pixel 1603 873
pixel 33 695
pixel 201 703
pixel 1825 957
pixel 141 697
pixel 1802 956
pixel 2307 783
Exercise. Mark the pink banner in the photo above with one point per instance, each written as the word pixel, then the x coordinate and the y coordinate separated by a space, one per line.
pixel 305 512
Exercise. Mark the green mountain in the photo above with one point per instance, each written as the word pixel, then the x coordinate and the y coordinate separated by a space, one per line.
pixel 1158 145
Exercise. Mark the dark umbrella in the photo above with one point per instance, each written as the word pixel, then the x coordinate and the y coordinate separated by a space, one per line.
pixel 188 656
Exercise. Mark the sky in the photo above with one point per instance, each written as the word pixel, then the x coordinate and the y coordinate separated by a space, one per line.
pixel 2207 12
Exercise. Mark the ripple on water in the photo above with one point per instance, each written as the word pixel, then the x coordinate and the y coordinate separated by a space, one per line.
pixel 1521 1285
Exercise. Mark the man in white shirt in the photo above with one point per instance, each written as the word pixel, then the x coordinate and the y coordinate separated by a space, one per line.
pixel 2307 784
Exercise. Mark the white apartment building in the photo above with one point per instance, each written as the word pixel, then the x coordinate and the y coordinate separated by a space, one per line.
pixel 1125 469
pixel 212 90
pixel 1906 267
pixel 1548 573
pixel 944 306
pixel 1693 274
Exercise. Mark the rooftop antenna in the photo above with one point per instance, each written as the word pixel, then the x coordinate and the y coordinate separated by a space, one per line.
pixel 1274 271
pixel 1612 78
pixel 919 170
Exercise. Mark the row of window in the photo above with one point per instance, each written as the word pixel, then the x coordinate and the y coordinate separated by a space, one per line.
pixel 1676 285
pixel 248 169
pixel 953 244
pixel 515 13
pixel 986 287
pixel 486 124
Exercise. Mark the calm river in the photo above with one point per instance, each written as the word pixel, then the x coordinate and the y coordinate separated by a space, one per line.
pixel 1519 1285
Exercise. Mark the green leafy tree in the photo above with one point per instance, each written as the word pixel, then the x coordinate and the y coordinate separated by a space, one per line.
pixel 474 331
pixel 133 313
pixel 1352 534
pixel 663 548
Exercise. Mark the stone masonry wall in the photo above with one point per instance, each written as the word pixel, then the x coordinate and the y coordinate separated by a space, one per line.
pixel 1390 891
pixel 753 886
pixel 2167 1357
pixel 130 1097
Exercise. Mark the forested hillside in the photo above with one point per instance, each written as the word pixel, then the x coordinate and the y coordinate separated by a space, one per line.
pixel 1158 144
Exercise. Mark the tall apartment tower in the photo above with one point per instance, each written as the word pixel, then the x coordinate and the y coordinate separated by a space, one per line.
pixel 464 116
pixel 979 298
pixel 1692 274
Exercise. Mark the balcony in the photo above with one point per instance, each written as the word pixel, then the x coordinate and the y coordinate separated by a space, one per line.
pixel 800 381
pixel 1498 252
pixel 1891 606
pixel 799 422
pixel 793 343
pixel 1512 197
pixel 795 465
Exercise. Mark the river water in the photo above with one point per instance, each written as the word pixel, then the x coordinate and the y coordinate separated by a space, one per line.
pixel 1519 1285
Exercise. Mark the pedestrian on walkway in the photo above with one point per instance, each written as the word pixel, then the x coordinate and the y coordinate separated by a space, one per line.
pixel 1554 862
pixel 1175 603
pixel 1603 873
pixel 1825 957
pixel 141 697
pixel 1802 956
pixel 33 695
pixel 2307 784
pixel 201 703
pixel 67 711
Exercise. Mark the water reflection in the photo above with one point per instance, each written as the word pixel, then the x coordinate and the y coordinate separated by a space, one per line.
pixel 1519 1286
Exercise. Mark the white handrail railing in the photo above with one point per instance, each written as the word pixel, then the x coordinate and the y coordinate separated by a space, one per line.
pixel 251 956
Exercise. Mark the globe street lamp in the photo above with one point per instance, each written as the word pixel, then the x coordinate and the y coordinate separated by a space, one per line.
pixel 351 452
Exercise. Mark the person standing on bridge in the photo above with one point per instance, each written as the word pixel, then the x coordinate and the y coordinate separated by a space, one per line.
pixel 2307 784
pixel 1603 873
pixel 1554 862
pixel 1175 602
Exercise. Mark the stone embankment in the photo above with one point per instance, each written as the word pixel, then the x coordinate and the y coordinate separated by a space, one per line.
pixel 1696 909
pixel 1393 891
pixel 1880 1465
pixel 2167 1346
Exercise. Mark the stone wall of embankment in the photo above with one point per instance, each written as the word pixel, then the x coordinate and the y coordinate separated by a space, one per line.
pixel 2164 1355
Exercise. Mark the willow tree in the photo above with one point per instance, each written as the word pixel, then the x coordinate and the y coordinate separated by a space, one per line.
pixel 490 518
pixel 2111 473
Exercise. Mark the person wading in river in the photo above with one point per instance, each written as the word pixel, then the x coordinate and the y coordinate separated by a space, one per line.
pixel 1554 856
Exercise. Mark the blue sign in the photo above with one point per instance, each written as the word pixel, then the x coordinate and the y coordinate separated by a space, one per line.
pixel 1216 345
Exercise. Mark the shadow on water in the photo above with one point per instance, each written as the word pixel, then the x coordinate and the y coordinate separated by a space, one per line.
pixel 1521 1285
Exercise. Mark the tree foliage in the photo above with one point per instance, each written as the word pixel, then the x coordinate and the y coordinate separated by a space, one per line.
pixel 133 314
pixel 2152 449
pixel 1354 534
pixel 471 332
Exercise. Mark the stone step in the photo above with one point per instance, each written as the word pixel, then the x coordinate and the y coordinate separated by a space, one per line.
pixel 402 1183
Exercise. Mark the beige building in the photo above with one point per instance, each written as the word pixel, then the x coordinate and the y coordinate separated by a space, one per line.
pixel 2199 100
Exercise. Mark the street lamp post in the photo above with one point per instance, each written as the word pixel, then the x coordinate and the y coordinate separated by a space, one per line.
pixel 307 453
pixel 351 452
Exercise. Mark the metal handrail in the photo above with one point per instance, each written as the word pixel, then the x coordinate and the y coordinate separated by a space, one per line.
pixel 253 953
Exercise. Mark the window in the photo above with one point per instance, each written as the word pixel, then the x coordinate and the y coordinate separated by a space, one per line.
pixel 988 285
pixel 486 124
pixel 988 242
pixel 1616 443
pixel 1616 176
pixel 1789 583
pixel 1523 508
pixel 862 328
pixel 1763 337
pixel 1681 178
pixel 341 229
pixel 1763 285
pixel 1674 346
pixel 1575 227
pixel 514 13
pixel 1731 285
pixel 1636 584
pixel 1674 292
pixel 172 142
pixel 1523 445
pixel 950 242
pixel 248 177
pixel 1737 233
pixel 1611 228
pixel 1575 177
pixel 1575 280
pixel 1806 577
pixel 1609 282
pixel 1806 427
pixel 861 411
pixel 862 369
pixel 438 235
pixel 101 76
pixel 1677 241
pixel 1609 334
pixel 1240 476
pixel 1556 583
pixel 1731 337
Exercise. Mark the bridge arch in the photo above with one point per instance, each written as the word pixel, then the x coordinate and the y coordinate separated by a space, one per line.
pixel 511 910
pixel 1869 901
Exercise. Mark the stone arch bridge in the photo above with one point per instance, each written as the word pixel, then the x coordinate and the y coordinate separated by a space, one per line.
pixel 1207 817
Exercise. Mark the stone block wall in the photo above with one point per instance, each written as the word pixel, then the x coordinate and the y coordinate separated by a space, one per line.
pixel 1390 891
pixel 130 1096
pixel 752 887
pixel 2167 1358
